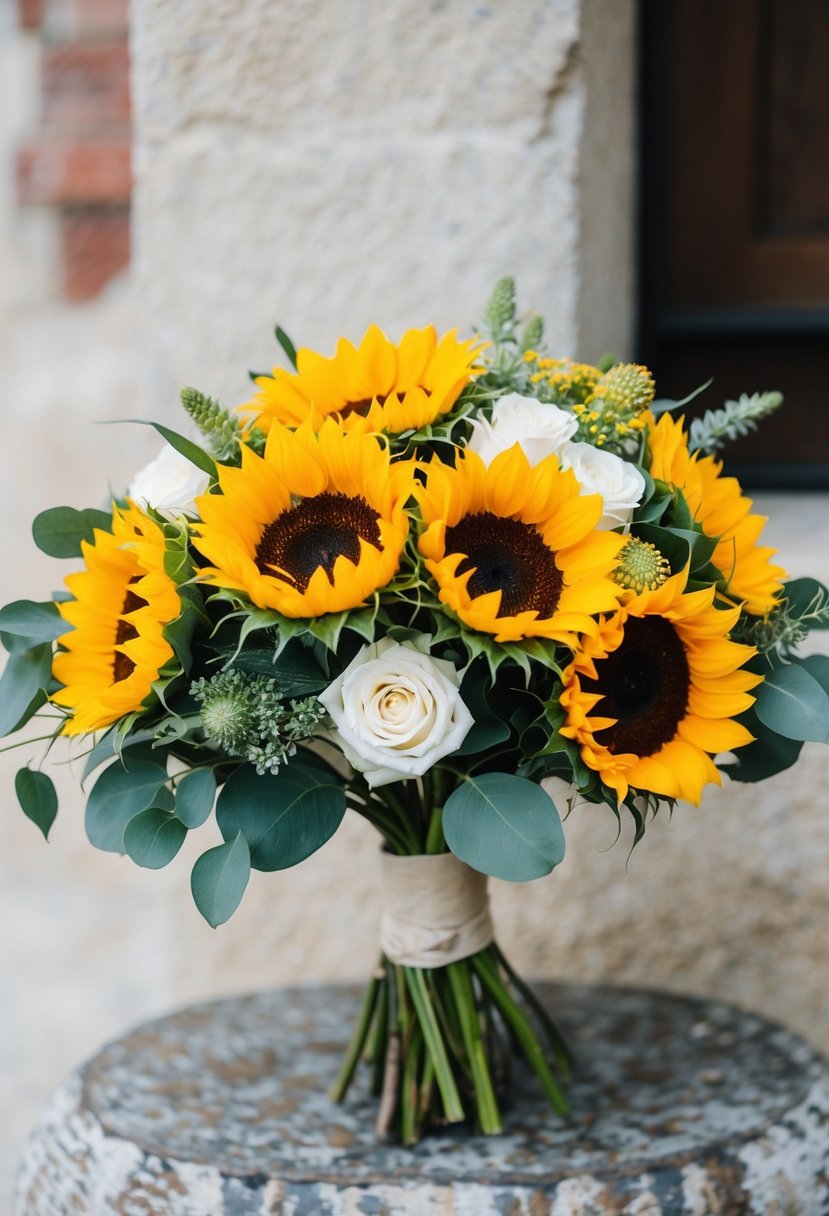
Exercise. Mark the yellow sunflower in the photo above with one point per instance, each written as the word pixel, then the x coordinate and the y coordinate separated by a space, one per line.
pixel 315 525
pixel 121 602
pixel 396 388
pixel 718 504
pixel 513 547
pixel 652 697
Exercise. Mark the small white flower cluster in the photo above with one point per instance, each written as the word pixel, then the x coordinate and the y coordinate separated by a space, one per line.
pixel 543 430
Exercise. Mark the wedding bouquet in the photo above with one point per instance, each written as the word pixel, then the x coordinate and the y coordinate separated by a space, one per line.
pixel 418 581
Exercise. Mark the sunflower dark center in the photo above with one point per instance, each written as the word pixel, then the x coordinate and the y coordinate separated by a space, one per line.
pixel 314 534
pixel 122 664
pixel 509 556
pixel 645 685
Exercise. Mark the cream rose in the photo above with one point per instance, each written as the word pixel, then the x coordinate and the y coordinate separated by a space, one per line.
pixel 170 483
pixel 539 428
pixel 397 710
pixel 619 482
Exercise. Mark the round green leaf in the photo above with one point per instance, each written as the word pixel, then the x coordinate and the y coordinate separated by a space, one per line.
pixel 39 622
pixel 36 795
pixel 505 826
pixel 791 702
pixel 128 786
pixel 219 879
pixel 284 818
pixel 22 685
pixel 195 794
pixel 153 837
pixel 770 753
pixel 60 530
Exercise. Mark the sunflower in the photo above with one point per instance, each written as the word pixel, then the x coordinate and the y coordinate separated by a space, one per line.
pixel 396 388
pixel 315 525
pixel 120 606
pixel 718 504
pixel 652 697
pixel 512 547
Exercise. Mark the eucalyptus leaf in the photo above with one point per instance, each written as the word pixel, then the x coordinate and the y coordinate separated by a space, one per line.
pixel 39 622
pixel 770 753
pixel 59 531
pixel 817 666
pixel 195 794
pixel 25 678
pixel 153 837
pixel 37 797
pixel 505 826
pixel 130 785
pixel 284 817
pixel 792 702
pixel 219 879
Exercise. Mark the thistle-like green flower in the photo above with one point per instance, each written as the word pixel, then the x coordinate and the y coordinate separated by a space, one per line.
pixel 499 314
pixel 245 716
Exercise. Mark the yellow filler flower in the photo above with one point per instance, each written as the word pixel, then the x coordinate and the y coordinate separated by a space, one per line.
pixel 396 388
pixel 315 525
pixel 122 601
pixel 722 510
pixel 652 697
pixel 513 547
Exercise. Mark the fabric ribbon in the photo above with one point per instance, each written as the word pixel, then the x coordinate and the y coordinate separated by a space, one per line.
pixel 436 910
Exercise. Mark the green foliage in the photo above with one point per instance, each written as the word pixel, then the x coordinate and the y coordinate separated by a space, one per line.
pixel 286 344
pixel 59 531
pixel 219 879
pixel 132 784
pixel 284 818
pixel 499 314
pixel 769 754
pixel 245 715
pixel 37 797
pixel 195 795
pixel 24 684
pixel 716 427
pixel 184 446
pixel 34 622
pixel 153 837
pixel 490 728
pixel 217 424
pixel 505 826
pixel 794 704
pixel 802 607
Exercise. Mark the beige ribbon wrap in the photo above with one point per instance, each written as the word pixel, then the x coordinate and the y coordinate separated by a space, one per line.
pixel 436 910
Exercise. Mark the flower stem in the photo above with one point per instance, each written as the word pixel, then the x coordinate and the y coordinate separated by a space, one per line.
pixel 434 835
pixel 358 1041
pixel 488 1113
pixel 522 1030
pixel 452 1105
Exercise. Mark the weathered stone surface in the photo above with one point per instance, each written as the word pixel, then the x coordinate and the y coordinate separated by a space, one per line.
pixel 680 1108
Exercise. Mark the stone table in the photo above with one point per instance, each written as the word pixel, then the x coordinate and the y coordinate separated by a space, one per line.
pixel 680 1106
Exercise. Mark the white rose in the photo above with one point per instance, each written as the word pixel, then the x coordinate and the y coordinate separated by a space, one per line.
pixel 169 483
pixel 397 711
pixel 619 482
pixel 540 428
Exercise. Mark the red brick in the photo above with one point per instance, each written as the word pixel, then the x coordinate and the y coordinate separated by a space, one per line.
pixel 96 247
pixel 78 18
pixel 86 84
pixel 92 171
pixel 30 13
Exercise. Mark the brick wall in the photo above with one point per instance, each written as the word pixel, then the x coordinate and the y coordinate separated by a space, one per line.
pixel 77 161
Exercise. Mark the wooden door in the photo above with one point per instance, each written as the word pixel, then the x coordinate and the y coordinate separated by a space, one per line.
pixel 735 217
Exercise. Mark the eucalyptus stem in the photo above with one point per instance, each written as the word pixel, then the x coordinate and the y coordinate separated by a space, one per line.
pixel 358 1041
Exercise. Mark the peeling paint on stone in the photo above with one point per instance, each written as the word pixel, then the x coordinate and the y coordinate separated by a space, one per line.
pixel 222 1110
